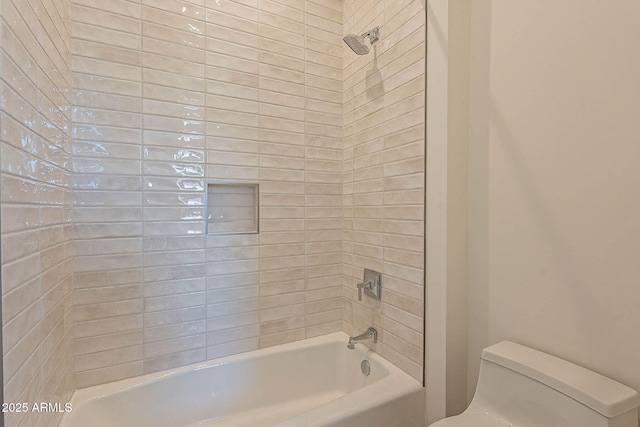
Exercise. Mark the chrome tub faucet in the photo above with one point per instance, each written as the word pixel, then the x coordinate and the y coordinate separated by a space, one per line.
pixel 369 334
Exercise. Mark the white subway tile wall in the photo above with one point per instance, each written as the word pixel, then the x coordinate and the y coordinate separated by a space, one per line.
pixel 170 95
pixel 383 176
pixel 108 229
pixel 35 177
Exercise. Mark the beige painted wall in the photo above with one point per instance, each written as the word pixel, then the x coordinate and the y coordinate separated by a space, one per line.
pixel 554 181
pixel 448 38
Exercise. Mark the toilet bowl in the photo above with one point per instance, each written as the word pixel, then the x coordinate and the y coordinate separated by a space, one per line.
pixel 522 387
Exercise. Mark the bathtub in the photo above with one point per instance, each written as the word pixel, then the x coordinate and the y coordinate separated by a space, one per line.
pixel 311 383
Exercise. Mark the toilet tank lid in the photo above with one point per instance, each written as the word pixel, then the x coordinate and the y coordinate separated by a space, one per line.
pixel 602 394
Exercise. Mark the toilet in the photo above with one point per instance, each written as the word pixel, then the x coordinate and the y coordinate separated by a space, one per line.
pixel 522 387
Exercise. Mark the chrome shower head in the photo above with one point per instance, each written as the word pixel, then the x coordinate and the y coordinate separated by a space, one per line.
pixel 357 43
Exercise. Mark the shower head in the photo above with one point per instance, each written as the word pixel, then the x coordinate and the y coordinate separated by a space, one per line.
pixel 357 43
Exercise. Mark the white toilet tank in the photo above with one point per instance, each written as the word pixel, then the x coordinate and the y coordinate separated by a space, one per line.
pixel 523 387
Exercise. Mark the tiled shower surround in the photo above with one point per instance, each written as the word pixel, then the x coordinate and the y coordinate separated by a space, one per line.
pixel 170 95
pixel 35 155
pixel 384 148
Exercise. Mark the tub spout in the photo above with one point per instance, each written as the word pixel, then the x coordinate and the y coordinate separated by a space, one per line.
pixel 369 334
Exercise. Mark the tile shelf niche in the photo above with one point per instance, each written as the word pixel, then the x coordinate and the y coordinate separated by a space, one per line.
pixel 232 208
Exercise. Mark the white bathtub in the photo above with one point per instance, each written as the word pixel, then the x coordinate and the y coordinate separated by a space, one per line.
pixel 311 383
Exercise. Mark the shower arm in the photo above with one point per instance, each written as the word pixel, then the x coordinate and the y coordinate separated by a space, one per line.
pixel 373 34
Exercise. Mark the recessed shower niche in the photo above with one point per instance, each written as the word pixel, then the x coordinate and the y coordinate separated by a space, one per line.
pixel 232 208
